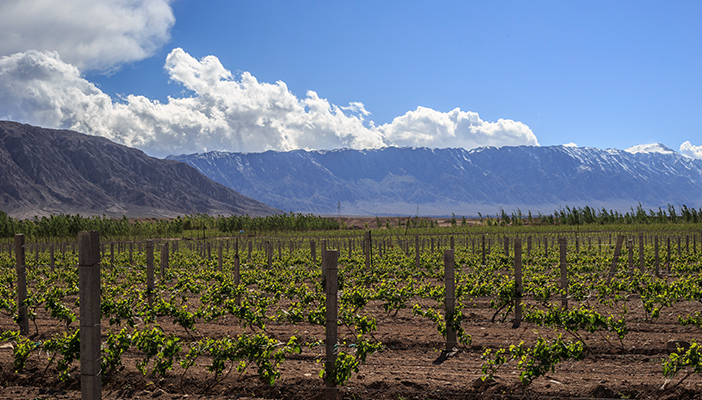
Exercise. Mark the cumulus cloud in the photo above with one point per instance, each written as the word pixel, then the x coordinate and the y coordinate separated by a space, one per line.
pixel 691 151
pixel 430 128
pixel 224 112
pixel 89 34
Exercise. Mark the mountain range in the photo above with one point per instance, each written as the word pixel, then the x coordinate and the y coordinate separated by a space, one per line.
pixel 45 171
pixel 409 181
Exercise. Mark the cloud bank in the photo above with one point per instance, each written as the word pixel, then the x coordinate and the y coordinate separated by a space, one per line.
pixel 89 34
pixel 225 112
pixel 691 151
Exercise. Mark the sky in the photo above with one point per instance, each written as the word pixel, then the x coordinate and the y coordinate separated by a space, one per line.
pixel 186 76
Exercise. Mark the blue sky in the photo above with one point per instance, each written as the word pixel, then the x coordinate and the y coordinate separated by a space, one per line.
pixel 597 74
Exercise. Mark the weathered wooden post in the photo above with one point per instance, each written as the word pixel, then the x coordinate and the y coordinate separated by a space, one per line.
pixel 545 247
pixel 331 288
pixel 657 259
pixel 452 243
pixel 416 251
pixel 313 251
pixel 219 257
pixel 694 244
pixel 52 259
pixel 630 248
pixel 237 275
pixel 528 245
pixel 450 298
pixel 164 259
pixel 150 286
pixel 615 259
pixel 269 253
pixel 367 249
pixel 131 250
pixel 641 253
pixel 518 283
pixel 89 295
pixel 667 265
pixel 506 245
pixel 112 254
pixel 483 244
pixel 564 273
pixel 21 269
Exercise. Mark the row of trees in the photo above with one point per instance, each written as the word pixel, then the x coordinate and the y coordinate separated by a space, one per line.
pixel 68 226
pixel 281 223
pixel 589 216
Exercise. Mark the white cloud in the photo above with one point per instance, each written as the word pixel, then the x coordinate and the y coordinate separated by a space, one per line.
pixel 89 34
pixel 691 151
pixel 225 113
pixel 571 144
pixel 431 128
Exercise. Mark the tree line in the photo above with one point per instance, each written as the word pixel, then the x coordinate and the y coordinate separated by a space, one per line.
pixel 593 216
pixel 195 225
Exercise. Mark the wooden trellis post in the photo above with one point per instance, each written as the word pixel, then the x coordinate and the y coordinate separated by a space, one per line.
pixel 89 295
pixel 630 248
pixel 237 275
pixel 313 251
pixel 367 249
pixel 450 298
pixel 269 253
pixel 667 266
pixel 657 259
pixel 615 259
pixel 564 273
pixel 150 286
pixel 21 269
pixel 164 259
pixel 518 283
pixel 52 259
pixel 219 257
pixel 330 268
pixel 641 253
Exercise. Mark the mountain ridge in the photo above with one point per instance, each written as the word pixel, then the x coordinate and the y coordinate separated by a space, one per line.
pixel 45 171
pixel 396 180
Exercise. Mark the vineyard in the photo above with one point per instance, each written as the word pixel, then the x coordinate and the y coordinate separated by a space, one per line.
pixel 432 315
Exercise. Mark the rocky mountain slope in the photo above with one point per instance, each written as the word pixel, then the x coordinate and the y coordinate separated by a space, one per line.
pixel 465 182
pixel 45 171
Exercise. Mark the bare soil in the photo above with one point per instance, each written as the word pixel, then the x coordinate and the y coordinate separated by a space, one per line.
pixel 409 367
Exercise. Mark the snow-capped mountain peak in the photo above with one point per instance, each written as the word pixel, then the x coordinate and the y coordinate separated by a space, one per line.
pixel 650 148
pixel 395 180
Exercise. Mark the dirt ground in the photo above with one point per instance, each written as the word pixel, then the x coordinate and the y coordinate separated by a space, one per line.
pixel 407 368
